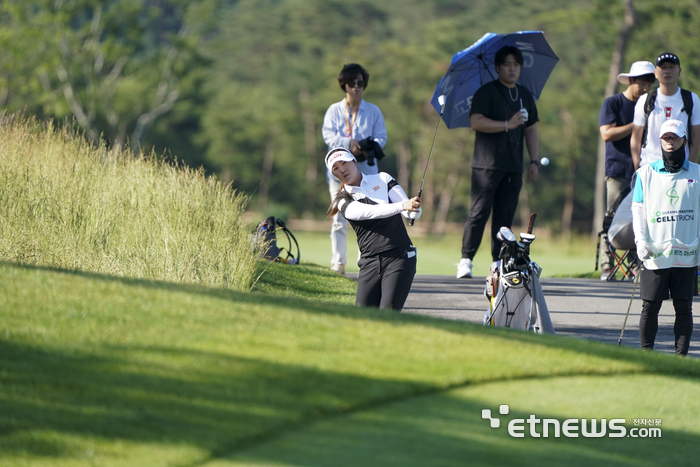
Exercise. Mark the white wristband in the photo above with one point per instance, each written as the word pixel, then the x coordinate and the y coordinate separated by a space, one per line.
pixel 505 125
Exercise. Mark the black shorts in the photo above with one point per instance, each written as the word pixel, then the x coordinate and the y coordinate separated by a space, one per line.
pixel 655 284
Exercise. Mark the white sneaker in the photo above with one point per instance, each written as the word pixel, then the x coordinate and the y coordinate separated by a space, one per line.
pixel 339 268
pixel 464 268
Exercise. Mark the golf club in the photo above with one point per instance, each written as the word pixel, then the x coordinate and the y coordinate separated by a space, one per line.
pixel 441 100
pixel 636 279
pixel 531 224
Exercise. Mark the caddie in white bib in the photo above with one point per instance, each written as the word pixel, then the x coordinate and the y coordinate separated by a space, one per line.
pixel 670 202
pixel 666 223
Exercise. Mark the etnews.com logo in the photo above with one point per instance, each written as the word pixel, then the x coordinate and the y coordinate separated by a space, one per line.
pixel 574 427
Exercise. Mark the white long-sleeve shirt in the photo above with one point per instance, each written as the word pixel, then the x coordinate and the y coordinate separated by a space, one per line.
pixel 373 209
pixel 381 189
pixel 368 122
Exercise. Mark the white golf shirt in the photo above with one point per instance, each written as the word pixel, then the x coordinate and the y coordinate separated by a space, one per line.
pixel 665 108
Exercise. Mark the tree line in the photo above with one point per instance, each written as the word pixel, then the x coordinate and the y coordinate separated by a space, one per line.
pixel 240 87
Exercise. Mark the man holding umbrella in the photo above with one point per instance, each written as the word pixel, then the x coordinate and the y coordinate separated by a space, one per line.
pixel 504 116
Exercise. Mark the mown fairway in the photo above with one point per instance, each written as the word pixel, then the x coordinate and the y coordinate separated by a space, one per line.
pixel 100 370
pixel 439 255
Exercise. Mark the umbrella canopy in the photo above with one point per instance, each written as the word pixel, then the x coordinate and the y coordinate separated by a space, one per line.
pixel 473 67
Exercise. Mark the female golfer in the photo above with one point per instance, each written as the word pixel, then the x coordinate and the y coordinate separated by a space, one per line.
pixel 373 205
pixel 346 124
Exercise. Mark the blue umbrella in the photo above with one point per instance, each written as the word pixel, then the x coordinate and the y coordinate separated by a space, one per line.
pixel 473 67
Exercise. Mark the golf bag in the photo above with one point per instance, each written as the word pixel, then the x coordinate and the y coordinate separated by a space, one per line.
pixel 513 287
pixel 265 237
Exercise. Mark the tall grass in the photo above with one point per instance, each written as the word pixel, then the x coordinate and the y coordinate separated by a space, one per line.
pixel 70 204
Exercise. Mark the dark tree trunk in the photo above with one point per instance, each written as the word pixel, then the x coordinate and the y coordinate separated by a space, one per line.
pixel 266 175
pixel 618 57
pixel 311 173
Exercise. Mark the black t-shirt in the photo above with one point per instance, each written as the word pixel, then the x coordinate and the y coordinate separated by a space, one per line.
pixel 619 110
pixel 503 150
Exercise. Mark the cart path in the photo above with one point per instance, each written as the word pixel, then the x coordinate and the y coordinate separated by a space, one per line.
pixel 582 308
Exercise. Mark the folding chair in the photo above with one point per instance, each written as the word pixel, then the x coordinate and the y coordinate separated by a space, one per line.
pixel 627 261
pixel 617 233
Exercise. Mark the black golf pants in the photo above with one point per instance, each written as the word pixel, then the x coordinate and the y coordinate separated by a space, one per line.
pixel 682 327
pixel 491 189
pixel 655 287
pixel 385 279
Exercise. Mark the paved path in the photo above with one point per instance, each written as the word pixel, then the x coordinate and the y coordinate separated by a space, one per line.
pixel 583 308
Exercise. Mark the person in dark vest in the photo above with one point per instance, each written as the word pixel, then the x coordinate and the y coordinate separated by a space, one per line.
pixel 375 206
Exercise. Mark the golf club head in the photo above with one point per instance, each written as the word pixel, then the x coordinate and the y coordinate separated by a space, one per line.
pixel 526 238
pixel 506 235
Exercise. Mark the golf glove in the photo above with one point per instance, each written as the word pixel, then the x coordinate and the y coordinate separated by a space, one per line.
pixel 415 215
pixel 643 250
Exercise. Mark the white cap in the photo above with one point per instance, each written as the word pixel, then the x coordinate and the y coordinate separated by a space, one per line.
pixel 673 126
pixel 637 69
pixel 338 154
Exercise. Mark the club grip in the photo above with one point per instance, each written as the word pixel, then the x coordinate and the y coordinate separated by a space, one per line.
pixel 531 224
pixel 420 193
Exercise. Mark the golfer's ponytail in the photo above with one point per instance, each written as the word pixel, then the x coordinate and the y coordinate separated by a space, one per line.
pixel 333 208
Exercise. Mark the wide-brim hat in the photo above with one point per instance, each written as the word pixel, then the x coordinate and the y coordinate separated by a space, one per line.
pixel 636 70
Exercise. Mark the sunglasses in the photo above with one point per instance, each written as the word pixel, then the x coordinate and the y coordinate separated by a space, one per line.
pixel 355 83
pixel 670 138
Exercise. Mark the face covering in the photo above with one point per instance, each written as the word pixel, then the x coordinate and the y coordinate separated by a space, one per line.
pixel 673 161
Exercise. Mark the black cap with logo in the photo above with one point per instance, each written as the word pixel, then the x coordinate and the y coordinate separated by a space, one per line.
pixel 667 57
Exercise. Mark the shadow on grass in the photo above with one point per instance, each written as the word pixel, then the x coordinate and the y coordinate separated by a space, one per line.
pixel 652 362
pixel 306 280
pixel 268 413
pixel 209 400
pixel 447 430
pixel 212 401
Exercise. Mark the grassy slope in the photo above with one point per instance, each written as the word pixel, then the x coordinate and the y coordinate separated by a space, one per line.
pixel 71 204
pixel 98 370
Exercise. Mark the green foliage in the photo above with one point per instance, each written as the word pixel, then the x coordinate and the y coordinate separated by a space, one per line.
pixel 407 52
pixel 71 205
pixel 113 66
pixel 241 87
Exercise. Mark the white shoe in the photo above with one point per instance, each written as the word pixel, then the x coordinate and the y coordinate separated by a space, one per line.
pixel 339 268
pixel 464 268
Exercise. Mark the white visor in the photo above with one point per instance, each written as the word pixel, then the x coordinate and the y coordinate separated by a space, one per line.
pixel 338 154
